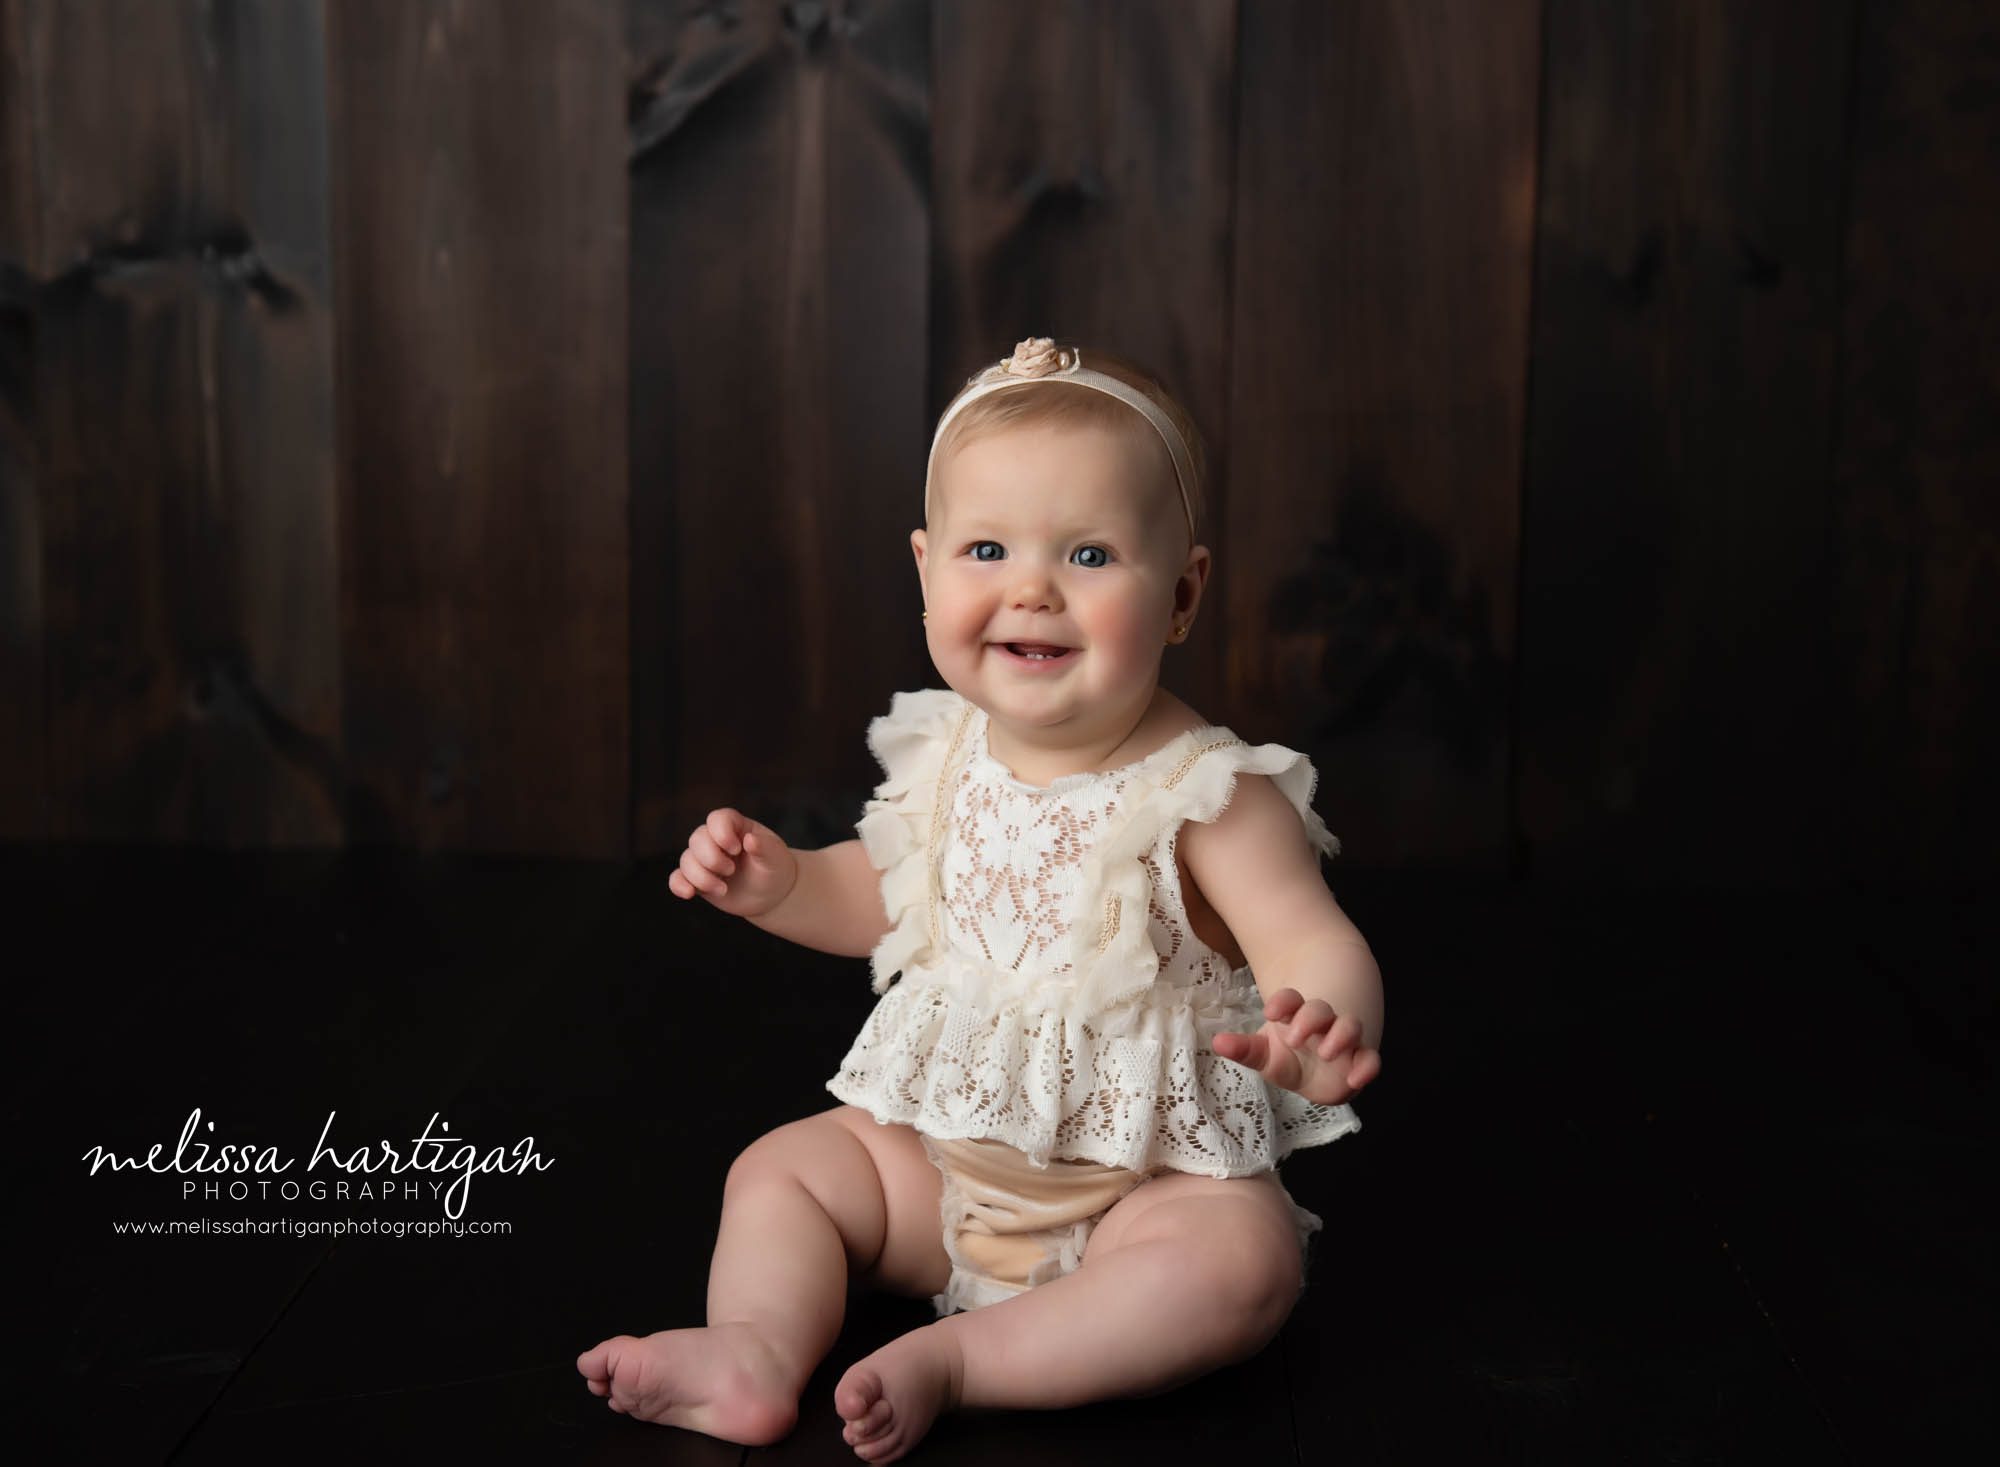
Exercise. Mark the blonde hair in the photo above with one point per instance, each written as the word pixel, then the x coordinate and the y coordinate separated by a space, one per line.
pixel 1055 403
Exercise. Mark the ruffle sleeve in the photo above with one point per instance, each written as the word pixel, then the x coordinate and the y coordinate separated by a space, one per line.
pixel 1193 778
pixel 911 742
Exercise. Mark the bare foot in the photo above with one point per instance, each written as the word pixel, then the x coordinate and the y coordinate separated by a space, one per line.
pixel 723 1381
pixel 890 1399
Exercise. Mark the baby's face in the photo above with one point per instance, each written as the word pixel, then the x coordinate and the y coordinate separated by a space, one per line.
pixel 1060 536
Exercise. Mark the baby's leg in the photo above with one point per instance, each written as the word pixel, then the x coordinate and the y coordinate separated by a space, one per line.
pixel 1184 1275
pixel 803 1207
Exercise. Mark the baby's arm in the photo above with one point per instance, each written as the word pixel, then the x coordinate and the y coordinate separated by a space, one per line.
pixel 1322 989
pixel 829 899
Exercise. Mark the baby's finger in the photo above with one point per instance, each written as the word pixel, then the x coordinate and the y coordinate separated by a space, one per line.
pixel 1308 1021
pixel 1365 1066
pixel 1245 1049
pixel 1343 1036
pixel 760 844
pixel 699 877
pixel 1282 1005
pixel 678 885
pixel 702 843
pixel 726 826
pixel 1282 1064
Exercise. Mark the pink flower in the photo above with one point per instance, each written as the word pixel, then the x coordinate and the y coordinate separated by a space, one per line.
pixel 1035 357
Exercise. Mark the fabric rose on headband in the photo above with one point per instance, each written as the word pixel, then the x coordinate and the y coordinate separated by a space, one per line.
pixel 1035 357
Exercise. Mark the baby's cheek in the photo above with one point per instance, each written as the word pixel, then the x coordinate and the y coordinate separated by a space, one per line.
pixel 1134 642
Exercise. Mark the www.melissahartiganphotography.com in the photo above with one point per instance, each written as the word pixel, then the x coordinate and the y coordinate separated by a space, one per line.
pixel 308 1227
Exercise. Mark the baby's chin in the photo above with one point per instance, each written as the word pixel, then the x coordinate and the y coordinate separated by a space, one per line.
pixel 1004 706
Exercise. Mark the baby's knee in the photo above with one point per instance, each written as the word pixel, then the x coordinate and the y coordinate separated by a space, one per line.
pixel 757 1162
pixel 829 1163
pixel 1239 1264
pixel 796 1151
pixel 1249 1276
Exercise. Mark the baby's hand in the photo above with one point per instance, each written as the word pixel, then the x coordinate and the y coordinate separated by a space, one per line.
pixel 1305 1047
pixel 737 865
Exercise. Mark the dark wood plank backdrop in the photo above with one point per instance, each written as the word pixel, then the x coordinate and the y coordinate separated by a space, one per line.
pixel 172 248
pixel 500 427
pixel 1674 687
pixel 1384 227
pixel 24 775
pixel 1916 532
pixel 777 275
pixel 480 248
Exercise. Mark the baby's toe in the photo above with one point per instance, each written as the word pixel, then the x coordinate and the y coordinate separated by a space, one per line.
pixel 858 1395
pixel 871 1425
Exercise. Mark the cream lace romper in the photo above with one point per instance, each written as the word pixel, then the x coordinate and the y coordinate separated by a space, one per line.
pixel 1050 1033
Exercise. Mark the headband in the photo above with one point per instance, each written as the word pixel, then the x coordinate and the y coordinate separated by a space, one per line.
pixel 1040 360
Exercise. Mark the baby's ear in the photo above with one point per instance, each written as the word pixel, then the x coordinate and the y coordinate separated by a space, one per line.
pixel 918 544
pixel 1193 579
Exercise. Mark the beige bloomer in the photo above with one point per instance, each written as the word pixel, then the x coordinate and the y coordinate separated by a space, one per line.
pixel 1009 1225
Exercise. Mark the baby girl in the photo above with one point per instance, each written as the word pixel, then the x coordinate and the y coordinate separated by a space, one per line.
pixel 1115 991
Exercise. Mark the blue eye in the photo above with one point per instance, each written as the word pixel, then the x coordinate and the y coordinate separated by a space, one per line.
pixel 1103 557
pixel 979 548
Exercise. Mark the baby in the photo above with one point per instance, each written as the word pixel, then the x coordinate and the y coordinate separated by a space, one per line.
pixel 1125 992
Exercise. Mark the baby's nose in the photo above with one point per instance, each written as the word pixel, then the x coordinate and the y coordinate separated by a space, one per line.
pixel 1036 591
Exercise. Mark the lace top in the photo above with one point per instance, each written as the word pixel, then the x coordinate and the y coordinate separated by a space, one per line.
pixel 1053 994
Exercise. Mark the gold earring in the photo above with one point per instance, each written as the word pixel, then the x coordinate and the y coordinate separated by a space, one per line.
pixel 926 616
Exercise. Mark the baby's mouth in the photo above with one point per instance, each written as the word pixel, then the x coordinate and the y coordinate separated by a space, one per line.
pixel 1037 651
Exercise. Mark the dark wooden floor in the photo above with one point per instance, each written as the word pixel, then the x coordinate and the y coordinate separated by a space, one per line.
pixel 1682 1177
